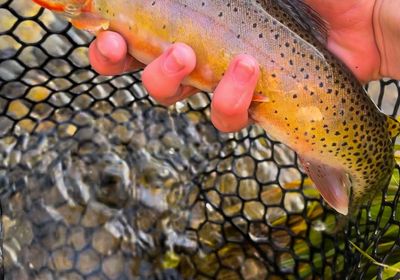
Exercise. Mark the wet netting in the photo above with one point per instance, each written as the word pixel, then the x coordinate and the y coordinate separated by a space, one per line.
pixel 98 181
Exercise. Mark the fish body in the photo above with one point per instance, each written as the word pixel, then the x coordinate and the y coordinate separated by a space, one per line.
pixel 311 101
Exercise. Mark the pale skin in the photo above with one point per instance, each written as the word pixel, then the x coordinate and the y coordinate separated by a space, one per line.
pixel 364 34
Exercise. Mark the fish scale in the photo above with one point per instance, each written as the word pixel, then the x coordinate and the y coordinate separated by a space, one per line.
pixel 310 100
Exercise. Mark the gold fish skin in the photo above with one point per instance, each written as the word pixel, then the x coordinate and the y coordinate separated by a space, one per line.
pixel 313 103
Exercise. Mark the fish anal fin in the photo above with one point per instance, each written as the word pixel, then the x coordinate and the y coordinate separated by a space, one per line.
pixel 393 126
pixel 332 183
pixel 90 22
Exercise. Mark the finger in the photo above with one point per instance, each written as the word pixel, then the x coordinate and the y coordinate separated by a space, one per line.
pixel 232 97
pixel 108 55
pixel 163 77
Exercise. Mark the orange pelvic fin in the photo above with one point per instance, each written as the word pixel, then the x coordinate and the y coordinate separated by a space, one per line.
pixel 260 98
pixel 90 22
pixel 53 6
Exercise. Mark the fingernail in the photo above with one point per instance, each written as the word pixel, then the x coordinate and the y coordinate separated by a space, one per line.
pixel 173 62
pixel 101 48
pixel 106 49
pixel 243 71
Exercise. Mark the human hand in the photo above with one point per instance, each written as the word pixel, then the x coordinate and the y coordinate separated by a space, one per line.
pixel 364 34
pixel 108 55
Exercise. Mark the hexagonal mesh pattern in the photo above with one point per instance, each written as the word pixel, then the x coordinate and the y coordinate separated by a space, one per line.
pixel 100 182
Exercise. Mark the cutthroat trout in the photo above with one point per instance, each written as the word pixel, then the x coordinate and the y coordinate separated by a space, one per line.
pixel 305 97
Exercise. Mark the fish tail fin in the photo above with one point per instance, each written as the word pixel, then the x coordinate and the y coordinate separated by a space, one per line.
pixel 393 126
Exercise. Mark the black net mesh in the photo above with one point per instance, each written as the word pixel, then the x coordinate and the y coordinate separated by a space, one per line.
pixel 97 181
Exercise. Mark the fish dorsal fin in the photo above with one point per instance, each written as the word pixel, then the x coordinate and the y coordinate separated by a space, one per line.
pixel 305 16
pixel 332 183
pixel 393 126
